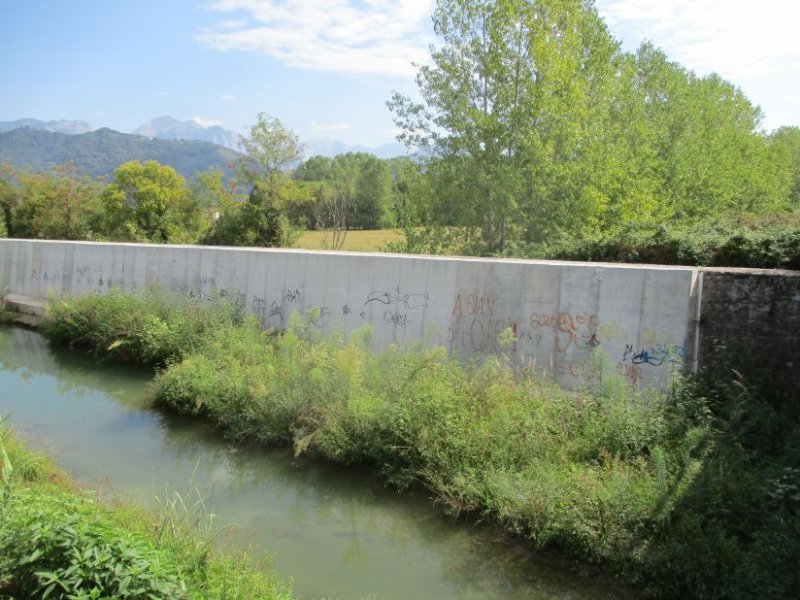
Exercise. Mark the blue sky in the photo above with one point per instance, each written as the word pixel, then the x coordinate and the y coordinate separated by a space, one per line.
pixel 325 67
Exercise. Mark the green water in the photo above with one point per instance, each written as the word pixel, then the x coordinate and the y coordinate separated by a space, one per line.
pixel 336 531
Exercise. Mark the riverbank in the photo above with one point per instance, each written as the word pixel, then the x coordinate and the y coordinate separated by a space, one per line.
pixel 680 495
pixel 58 541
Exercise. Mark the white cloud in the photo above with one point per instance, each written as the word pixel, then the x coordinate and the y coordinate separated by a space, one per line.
pixel 319 127
pixel 369 37
pixel 736 38
pixel 228 98
pixel 206 122
pixel 237 24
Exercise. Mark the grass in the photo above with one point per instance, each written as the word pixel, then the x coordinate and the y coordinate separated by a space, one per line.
pixel 355 241
pixel 59 542
pixel 695 493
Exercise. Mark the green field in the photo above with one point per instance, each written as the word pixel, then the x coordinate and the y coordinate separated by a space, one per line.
pixel 369 240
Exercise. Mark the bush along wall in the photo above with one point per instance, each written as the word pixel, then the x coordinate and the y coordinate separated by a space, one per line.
pixel 766 246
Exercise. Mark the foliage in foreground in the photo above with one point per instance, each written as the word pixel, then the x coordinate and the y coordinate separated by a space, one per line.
pixel 696 493
pixel 59 543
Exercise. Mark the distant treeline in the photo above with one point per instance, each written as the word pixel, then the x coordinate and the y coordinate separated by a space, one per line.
pixel 151 202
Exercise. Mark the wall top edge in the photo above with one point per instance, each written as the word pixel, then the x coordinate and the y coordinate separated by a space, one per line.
pixel 750 271
pixel 364 255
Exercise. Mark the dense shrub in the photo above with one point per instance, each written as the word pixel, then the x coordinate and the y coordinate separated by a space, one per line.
pixel 151 328
pixel 61 547
pixel 727 244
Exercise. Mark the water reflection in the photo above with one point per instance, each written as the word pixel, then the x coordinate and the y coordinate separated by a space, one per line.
pixel 336 530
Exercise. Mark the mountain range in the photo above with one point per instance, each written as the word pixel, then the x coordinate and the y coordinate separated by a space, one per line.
pixel 169 128
pixel 63 126
pixel 98 153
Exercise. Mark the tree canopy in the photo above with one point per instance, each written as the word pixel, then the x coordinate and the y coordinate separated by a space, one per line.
pixel 269 148
pixel 535 126
pixel 149 202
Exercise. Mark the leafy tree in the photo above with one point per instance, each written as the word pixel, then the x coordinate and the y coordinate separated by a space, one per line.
pixel 697 140
pixel 270 148
pixel 368 181
pixel 536 129
pixel 214 197
pixel 51 205
pixel 512 105
pixel 8 196
pixel 409 191
pixel 150 202
pixel 353 191
pixel 785 144
pixel 257 222
pixel 298 203
pixel 316 168
pixel 211 192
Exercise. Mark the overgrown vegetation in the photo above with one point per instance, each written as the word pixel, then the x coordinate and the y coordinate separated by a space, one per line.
pixel 58 542
pixel 695 493
pixel 755 243
pixel 153 329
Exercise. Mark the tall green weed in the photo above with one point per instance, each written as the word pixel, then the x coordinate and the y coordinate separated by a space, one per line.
pixel 152 328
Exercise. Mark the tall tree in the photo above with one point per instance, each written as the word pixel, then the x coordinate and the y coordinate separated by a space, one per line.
pixel 785 143
pixel 270 148
pixel 699 142
pixel 513 103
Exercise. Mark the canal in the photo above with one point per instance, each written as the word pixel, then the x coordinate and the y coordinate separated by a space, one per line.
pixel 337 532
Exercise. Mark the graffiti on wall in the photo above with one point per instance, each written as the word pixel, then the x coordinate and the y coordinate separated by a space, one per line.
pixel 578 331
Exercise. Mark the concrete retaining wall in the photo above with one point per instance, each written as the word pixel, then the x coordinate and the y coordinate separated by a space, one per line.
pixel 643 317
pixel 750 321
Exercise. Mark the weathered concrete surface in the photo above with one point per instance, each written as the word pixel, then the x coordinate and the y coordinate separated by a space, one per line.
pixel 750 321
pixel 26 305
pixel 643 317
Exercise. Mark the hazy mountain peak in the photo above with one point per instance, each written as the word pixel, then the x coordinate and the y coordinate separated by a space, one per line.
pixel 152 127
pixel 169 128
pixel 330 148
pixel 205 123
pixel 59 126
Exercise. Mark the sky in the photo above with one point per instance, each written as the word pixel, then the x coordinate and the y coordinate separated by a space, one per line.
pixel 326 67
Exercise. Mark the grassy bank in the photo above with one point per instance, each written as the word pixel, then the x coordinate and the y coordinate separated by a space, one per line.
pixel 695 493
pixel 58 542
